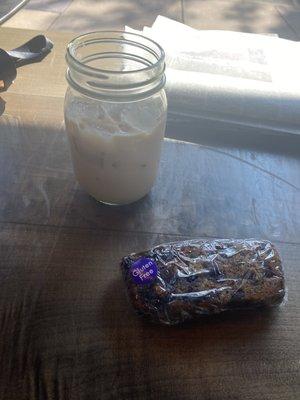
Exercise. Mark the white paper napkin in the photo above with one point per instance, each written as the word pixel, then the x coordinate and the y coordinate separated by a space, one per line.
pixel 248 79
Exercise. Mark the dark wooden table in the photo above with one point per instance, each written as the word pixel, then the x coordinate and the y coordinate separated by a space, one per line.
pixel 66 329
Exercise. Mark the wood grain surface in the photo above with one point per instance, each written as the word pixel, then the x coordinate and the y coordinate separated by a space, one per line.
pixel 66 329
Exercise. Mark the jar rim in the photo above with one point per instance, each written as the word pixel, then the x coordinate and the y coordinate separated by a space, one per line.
pixel 80 39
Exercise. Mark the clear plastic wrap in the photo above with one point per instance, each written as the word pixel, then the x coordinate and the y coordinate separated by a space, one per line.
pixel 175 282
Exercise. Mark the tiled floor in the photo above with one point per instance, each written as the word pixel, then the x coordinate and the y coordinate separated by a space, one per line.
pixel 245 16
pixel 275 16
pixel 110 14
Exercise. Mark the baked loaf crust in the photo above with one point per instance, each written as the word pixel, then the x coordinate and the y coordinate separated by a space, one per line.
pixel 197 277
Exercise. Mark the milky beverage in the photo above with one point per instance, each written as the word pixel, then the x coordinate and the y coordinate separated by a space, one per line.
pixel 115 147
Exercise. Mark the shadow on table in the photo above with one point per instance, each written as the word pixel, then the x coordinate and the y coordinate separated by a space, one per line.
pixel 145 353
pixel 241 324
pixel 216 133
pixel 182 204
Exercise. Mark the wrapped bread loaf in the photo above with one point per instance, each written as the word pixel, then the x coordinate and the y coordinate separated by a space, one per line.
pixel 176 282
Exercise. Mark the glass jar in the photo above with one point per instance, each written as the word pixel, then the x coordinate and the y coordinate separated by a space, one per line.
pixel 115 113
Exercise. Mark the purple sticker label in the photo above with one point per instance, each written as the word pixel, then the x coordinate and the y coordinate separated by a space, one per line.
pixel 143 271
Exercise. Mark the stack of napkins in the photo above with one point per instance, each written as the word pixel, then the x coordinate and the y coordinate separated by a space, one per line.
pixel 241 79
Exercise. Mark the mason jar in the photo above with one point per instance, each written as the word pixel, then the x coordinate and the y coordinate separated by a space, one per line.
pixel 115 113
